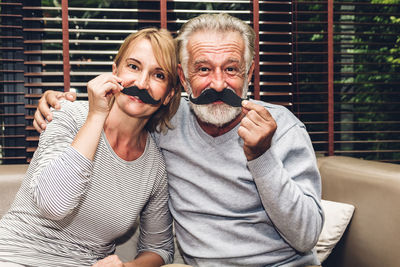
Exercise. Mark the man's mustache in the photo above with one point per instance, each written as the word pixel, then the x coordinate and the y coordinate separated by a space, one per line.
pixel 143 95
pixel 211 95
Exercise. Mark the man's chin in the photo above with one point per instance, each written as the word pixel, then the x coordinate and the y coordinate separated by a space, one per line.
pixel 216 114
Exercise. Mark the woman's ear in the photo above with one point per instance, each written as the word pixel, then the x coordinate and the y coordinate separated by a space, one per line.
pixel 169 97
pixel 114 68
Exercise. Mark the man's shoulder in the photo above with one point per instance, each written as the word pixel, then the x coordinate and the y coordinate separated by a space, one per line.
pixel 182 113
pixel 178 121
pixel 184 105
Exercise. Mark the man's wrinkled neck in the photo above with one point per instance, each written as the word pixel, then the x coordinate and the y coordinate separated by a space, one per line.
pixel 215 131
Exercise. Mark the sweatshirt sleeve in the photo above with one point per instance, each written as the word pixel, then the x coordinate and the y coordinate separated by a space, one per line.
pixel 156 223
pixel 61 173
pixel 289 185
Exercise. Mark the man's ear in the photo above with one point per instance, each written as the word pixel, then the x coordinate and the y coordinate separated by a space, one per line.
pixel 114 68
pixel 250 73
pixel 182 77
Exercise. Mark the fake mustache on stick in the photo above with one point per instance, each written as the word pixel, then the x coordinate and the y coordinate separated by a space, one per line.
pixel 210 95
pixel 143 95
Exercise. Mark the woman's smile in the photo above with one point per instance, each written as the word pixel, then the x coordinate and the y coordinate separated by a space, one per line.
pixel 135 99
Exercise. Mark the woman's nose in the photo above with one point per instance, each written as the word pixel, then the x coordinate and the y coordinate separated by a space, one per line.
pixel 142 81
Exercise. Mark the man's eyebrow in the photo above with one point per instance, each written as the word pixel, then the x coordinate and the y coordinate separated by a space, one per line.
pixel 200 61
pixel 233 60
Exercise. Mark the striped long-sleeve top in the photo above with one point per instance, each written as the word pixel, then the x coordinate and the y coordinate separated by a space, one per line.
pixel 69 210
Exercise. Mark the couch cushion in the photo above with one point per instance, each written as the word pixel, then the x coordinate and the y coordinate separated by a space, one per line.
pixel 11 177
pixel 337 217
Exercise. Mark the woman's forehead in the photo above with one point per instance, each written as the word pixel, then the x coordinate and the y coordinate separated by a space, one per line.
pixel 141 50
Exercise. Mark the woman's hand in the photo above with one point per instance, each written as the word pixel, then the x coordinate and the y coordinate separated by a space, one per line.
pixel 100 92
pixel 144 259
pixel 110 261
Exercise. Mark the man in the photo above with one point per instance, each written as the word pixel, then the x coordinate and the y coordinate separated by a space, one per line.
pixel 243 181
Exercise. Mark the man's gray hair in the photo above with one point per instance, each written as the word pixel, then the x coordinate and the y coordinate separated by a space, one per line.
pixel 215 23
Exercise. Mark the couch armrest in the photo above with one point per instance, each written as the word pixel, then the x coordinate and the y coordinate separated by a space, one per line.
pixel 374 189
pixel 11 177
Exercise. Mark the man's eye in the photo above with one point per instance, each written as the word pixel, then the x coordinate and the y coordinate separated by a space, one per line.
pixel 204 69
pixel 230 69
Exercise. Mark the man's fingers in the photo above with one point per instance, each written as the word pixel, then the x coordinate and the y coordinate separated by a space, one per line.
pixel 53 98
pixel 49 98
pixel 39 120
pixel 71 96
pixel 262 111
pixel 256 118
pixel 246 123
pixel 243 132
pixel 43 112
pixel 38 128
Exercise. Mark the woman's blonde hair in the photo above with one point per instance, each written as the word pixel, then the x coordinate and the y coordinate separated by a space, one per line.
pixel 165 53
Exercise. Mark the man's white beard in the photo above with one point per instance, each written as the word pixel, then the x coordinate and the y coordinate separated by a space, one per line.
pixel 216 114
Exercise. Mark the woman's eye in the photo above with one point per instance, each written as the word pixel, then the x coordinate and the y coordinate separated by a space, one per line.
pixel 230 69
pixel 160 76
pixel 133 66
pixel 203 69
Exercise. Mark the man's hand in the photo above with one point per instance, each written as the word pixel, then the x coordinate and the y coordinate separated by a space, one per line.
pixel 110 261
pixel 49 98
pixel 256 129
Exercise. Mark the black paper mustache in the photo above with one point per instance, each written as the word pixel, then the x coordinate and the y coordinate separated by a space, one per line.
pixel 143 95
pixel 210 95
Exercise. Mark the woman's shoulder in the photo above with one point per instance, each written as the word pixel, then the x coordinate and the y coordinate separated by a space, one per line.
pixel 76 105
pixel 76 110
pixel 154 149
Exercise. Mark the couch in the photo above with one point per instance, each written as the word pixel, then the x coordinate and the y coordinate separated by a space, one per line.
pixel 373 188
pixel 373 236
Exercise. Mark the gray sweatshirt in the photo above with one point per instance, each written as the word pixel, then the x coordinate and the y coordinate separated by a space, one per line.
pixel 231 212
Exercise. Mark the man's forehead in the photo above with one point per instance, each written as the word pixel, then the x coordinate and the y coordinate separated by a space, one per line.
pixel 202 60
pixel 203 43
pixel 216 37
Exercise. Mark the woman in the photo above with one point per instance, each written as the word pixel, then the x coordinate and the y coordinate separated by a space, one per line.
pixel 97 169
